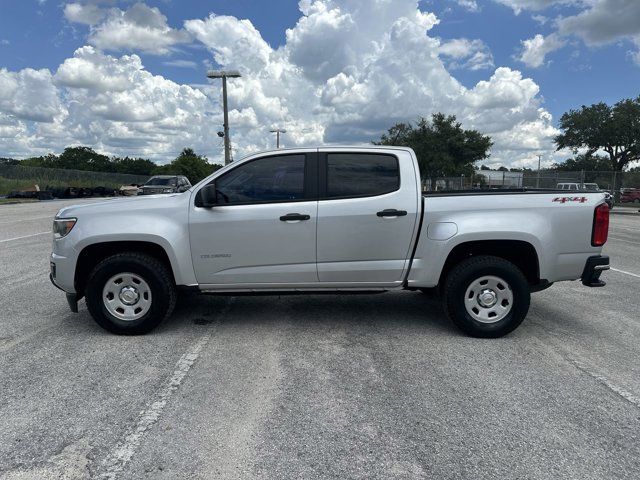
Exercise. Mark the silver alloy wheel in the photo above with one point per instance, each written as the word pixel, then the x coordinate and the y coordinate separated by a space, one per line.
pixel 488 299
pixel 127 296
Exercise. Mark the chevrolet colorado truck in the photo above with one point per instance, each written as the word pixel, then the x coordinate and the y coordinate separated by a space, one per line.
pixel 340 219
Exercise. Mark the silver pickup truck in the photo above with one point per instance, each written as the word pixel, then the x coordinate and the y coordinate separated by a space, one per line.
pixel 328 219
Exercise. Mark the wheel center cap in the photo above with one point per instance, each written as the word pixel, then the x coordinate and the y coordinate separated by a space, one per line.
pixel 487 298
pixel 129 295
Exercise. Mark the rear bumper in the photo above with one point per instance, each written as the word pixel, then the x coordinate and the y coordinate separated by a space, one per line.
pixel 594 267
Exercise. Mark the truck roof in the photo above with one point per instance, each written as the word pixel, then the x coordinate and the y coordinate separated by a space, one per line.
pixel 337 147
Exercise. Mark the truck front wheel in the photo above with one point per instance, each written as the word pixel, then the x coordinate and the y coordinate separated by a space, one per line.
pixel 486 296
pixel 130 293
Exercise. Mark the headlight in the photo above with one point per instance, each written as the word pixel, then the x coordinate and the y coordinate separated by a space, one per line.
pixel 62 226
pixel 167 190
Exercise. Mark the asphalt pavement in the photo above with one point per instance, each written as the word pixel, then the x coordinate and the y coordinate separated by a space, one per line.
pixel 319 386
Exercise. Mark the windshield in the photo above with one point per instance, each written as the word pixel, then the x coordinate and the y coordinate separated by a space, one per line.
pixel 162 181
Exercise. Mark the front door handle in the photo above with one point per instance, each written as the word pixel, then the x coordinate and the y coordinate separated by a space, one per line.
pixel 392 212
pixel 292 217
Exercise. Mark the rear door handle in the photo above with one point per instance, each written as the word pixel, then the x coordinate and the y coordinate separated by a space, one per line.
pixel 292 217
pixel 392 212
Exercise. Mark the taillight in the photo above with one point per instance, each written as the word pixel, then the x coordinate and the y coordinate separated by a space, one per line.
pixel 600 225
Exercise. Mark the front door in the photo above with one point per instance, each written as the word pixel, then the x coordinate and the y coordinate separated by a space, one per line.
pixel 263 230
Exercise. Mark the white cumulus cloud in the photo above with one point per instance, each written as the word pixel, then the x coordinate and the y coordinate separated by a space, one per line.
pixel 520 5
pixel 603 21
pixel 29 95
pixel 468 54
pixel 347 72
pixel 88 14
pixel 138 28
pixel 596 22
pixel 535 50
pixel 470 5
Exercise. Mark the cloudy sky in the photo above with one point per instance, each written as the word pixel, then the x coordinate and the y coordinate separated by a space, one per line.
pixel 129 78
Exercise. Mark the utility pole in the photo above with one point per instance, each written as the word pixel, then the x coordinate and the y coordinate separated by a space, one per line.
pixel 278 131
pixel 224 75
pixel 538 179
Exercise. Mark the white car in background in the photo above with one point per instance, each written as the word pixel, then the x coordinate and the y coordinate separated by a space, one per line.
pixel 586 187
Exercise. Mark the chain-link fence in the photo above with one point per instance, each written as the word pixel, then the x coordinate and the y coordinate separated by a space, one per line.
pixel 613 182
pixel 76 178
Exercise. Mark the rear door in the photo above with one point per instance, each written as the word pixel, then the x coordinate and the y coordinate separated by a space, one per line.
pixel 367 216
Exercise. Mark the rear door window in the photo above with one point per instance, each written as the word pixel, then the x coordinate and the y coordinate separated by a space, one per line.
pixel 361 175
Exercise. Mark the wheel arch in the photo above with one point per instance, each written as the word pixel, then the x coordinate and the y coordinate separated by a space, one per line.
pixel 519 252
pixel 94 253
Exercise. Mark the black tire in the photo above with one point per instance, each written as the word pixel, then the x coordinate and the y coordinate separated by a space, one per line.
pixel 154 272
pixel 461 277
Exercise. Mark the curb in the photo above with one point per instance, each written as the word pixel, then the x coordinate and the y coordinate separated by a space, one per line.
pixel 16 203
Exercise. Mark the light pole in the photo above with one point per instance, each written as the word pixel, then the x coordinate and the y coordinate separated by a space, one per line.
pixel 224 74
pixel 538 179
pixel 278 131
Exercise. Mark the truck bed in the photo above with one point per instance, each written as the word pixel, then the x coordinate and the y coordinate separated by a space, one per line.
pixel 501 191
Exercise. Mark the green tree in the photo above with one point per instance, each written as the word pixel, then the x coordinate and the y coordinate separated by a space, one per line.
pixel 73 158
pixel 135 166
pixel 85 158
pixel 46 161
pixel 614 130
pixel 9 161
pixel 195 167
pixel 442 146
pixel 588 163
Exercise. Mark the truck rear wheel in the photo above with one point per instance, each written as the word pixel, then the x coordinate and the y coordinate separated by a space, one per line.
pixel 486 296
pixel 130 293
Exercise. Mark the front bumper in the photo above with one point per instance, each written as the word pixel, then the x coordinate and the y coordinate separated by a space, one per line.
pixel 594 267
pixel 61 276
pixel 63 271
pixel 72 298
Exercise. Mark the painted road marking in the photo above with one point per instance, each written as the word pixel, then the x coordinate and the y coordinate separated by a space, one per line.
pixel 117 460
pixel 623 239
pixel 628 396
pixel 122 454
pixel 626 273
pixel 48 217
pixel 25 236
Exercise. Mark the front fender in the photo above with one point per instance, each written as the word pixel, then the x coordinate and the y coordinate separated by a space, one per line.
pixel 163 222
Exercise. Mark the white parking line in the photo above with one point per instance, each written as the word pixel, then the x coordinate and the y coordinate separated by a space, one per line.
pixel 626 273
pixel 118 459
pixel 48 217
pixel 623 239
pixel 628 396
pixel 25 236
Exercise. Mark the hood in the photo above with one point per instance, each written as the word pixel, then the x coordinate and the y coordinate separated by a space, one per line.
pixel 128 204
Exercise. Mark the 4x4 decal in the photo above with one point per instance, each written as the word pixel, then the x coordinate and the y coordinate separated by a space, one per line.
pixel 570 199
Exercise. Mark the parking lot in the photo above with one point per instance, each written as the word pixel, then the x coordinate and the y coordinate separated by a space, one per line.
pixel 321 386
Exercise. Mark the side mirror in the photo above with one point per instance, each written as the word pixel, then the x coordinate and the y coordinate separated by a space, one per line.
pixel 208 196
